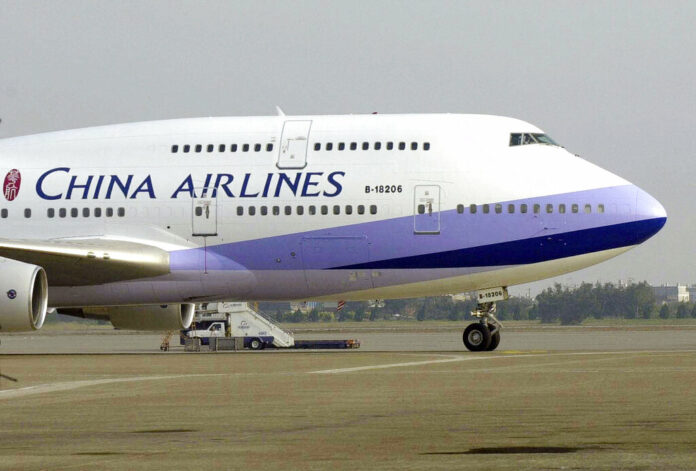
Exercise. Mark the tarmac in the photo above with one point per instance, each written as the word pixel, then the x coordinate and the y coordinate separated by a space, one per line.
pixel 546 399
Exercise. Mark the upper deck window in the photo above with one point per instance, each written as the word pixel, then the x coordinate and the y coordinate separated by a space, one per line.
pixel 521 139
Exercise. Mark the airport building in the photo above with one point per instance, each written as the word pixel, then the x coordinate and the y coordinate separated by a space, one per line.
pixel 673 293
pixel 692 293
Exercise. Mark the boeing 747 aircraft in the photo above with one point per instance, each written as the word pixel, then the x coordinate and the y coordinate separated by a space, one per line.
pixel 141 221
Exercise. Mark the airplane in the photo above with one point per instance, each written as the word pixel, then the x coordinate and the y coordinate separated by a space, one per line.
pixel 139 222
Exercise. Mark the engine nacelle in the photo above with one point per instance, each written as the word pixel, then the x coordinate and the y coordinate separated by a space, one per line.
pixel 23 296
pixel 164 317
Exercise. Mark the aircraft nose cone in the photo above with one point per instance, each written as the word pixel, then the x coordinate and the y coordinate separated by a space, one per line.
pixel 650 213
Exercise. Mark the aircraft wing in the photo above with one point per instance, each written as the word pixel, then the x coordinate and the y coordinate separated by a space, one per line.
pixel 93 261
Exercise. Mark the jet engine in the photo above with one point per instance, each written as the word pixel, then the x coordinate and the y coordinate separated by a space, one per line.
pixel 164 317
pixel 23 296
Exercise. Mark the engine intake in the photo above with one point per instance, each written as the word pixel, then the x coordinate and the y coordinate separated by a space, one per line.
pixel 23 296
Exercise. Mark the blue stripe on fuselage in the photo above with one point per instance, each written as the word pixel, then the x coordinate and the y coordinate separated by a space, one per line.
pixel 525 251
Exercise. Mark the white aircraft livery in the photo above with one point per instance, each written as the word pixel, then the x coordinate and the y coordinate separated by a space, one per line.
pixel 138 222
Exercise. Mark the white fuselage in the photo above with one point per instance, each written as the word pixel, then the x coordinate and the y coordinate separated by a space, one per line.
pixel 321 207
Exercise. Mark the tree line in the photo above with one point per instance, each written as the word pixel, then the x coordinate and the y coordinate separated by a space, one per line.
pixel 567 305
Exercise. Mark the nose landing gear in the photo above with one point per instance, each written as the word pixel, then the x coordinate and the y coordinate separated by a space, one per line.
pixel 483 335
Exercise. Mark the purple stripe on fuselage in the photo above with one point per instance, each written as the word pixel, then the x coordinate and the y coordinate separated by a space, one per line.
pixel 395 238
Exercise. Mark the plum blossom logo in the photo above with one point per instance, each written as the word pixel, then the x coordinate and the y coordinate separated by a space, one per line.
pixel 10 188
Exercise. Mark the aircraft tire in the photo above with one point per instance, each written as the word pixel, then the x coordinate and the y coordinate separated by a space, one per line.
pixel 495 341
pixel 477 337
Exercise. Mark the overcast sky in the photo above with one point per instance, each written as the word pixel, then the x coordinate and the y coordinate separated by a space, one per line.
pixel 612 81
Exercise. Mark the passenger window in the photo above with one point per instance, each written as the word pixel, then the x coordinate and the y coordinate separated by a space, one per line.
pixel 498 208
pixel 421 209
pixel 121 212
pixel 245 148
pixel 365 145
pixel 27 213
pixel 324 210
pixel 486 209
pixel 288 210
pixel 574 208
pixel 353 145
pixel 373 209
pixel 175 149
pixel 317 146
pixel 402 145
pixel 62 212
pixel 312 210
pixel 361 209
pixel 460 208
pixel 276 210
pixel 221 148
pixel 600 208
pixel 549 208
pixel 472 208
pixel 341 146
pixel 187 148
pixel 336 209
pixel 211 147
pixel 561 208
pixel 257 147
pixel 264 210
pixel 300 210
pixel 511 208
pixel 240 210
pixel 109 212
pixel 588 208
pixel 378 145
pixel 251 210
pixel 329 146
pixel 85 212
pixel 390 145
pixel 414 146
pixel 3 213
pixel 426 146
pixel 537 209
pixel 50 213
pixel 199 147
pixel 97 212
pixel 199 211
pixel 523 208
pixel 349 209
pixel 233 148
pixel 73 212
pixel 269 147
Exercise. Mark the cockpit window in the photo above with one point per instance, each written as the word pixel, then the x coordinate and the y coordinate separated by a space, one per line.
pixel 521 139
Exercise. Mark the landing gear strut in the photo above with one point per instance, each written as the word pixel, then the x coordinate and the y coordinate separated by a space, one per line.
pixel 483 335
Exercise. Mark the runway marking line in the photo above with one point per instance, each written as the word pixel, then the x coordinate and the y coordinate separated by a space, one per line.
pixel 459 358
pixel 70 385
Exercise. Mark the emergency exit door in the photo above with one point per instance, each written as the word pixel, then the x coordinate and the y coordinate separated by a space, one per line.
pixel 426 209
pixel 293 144
pixel 204 217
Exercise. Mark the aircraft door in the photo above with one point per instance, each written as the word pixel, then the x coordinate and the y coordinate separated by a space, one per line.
pixel 204 216
pixel 294 140
pixel 426 209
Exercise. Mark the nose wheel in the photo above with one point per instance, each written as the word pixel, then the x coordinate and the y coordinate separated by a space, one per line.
pixel 483 335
